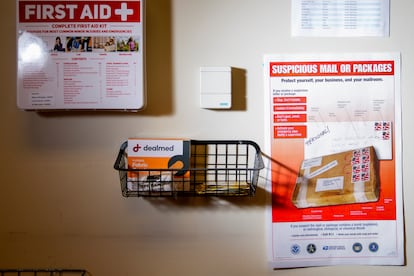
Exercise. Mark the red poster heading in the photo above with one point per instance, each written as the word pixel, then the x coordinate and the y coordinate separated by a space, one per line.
pixel 331 68
pixel 79 11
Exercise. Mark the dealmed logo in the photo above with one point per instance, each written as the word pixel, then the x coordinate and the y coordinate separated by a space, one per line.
pixel 137 148
pixel 156 148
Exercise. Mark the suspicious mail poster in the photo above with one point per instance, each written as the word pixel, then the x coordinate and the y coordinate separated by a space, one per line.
pixel 333 131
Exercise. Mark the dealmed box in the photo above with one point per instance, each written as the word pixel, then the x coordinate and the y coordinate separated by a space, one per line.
pixel 158 165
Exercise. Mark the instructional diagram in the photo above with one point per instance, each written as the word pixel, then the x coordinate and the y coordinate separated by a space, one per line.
pixel 334 135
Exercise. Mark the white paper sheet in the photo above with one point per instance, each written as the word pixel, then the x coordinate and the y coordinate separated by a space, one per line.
pixel 340 18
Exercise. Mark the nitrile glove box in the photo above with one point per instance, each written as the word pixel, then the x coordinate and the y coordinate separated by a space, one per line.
pixel 157 163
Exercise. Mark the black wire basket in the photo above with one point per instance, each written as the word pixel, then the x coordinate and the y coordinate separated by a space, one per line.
pixel 217 168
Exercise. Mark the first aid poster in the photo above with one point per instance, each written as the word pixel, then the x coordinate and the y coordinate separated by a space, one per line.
pixel 80 55
pixel 321 105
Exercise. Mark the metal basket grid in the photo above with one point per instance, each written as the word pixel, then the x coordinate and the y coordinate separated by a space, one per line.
pixel 217 168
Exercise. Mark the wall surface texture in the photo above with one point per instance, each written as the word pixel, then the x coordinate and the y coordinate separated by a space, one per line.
pixel 60 199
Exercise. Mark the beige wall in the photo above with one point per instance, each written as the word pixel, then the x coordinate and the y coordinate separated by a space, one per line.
pixel 60 200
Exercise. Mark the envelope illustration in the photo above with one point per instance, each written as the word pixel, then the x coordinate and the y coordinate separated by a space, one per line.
pixel 325 138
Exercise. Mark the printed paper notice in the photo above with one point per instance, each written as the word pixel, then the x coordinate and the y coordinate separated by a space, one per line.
pixel 340 18
pixel 80 54
pixel 333 126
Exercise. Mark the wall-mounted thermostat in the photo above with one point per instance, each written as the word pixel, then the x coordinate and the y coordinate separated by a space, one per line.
pixel 215 87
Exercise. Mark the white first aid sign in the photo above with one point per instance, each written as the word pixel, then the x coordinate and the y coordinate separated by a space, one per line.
pixel 76 55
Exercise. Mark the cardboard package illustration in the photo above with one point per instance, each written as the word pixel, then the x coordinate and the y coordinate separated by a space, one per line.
pixel 341 178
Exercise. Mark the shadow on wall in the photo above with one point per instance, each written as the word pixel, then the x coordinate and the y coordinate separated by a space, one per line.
pixel 238 87
pixel 262 198
pixel 158 58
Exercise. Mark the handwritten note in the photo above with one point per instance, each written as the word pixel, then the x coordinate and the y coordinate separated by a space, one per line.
pixel 328 138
